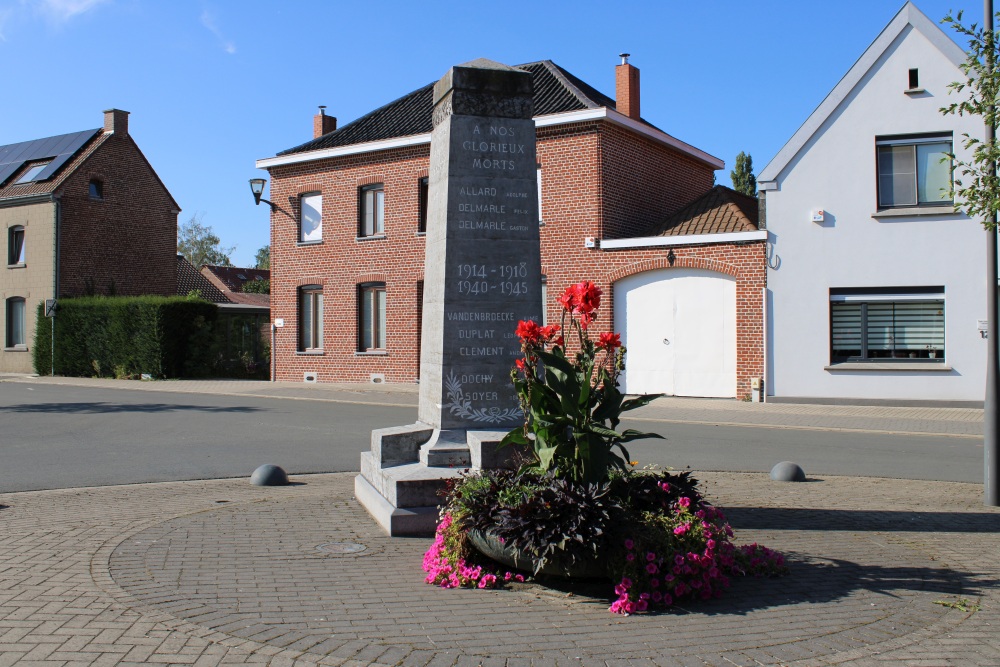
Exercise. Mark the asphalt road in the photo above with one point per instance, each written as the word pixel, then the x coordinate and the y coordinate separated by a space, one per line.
pixel 62 436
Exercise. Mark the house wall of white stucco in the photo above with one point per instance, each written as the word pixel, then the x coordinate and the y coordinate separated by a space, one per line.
pixel 835 170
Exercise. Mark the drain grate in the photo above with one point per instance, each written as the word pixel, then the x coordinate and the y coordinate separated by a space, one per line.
pixel 340 548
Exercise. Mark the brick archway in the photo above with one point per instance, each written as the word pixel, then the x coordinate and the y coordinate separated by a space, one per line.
pixel 664 263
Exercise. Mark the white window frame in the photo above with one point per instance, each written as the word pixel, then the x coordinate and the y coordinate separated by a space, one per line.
pixel 372 317
pixel 538 182
pixel 16 334
pixel 372 210
pixel 310 318
pixel 15 252
pixel 311 217
pixel 895 143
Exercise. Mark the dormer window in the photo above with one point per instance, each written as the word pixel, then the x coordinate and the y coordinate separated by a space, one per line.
pixel 96 189
pixel 31 175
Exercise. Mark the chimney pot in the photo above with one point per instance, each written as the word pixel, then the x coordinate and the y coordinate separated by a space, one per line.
pixel 627 88
pixel 116 121
pixel 323 124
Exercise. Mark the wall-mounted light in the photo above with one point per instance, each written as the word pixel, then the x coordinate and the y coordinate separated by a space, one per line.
pixel 671 257
pixel 257 187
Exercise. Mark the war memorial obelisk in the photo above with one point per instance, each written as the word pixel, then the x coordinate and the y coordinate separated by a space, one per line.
pixel 482 273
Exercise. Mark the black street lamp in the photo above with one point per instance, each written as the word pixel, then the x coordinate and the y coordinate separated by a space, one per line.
pixel 257 187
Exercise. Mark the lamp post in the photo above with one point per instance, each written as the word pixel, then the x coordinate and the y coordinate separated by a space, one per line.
pixel 257 187
pixel 991 416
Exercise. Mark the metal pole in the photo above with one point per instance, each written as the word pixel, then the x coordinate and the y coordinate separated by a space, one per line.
pixel 274 357
pixel 991 418
pixel 52 350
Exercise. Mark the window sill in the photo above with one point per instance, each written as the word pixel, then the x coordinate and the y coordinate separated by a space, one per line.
pixel 371 353
pixel 913 211
pixel 17 266
pixel 927 366
pixel 16 348
pixel 373 237
pixel 914 91
pixel 421 233
pixel 301 244
pixel 310 353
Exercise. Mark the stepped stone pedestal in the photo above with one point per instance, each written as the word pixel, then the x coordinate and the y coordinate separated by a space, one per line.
pixel 482 275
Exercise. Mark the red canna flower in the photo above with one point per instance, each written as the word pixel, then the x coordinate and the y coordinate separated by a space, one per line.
pixel 529 332
pixel 609 341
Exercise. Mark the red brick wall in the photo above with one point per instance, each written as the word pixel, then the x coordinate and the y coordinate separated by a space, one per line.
pixel 126 242
pixel 596 180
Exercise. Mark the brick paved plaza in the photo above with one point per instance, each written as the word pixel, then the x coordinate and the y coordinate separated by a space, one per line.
pixel 221 572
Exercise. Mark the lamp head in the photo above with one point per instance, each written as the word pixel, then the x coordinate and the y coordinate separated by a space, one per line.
pixel 257 187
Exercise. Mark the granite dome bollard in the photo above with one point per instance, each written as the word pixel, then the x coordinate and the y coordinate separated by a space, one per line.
pixel 269 475
pixel 786 471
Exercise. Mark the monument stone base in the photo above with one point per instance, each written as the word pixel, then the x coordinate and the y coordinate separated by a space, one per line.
pixel 408 466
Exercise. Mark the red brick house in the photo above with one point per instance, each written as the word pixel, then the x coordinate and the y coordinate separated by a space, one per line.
pixel 622 203
pixel 82 213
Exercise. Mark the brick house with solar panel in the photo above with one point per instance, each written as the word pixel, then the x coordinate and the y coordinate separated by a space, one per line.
pixel 82 213
pixel 623 203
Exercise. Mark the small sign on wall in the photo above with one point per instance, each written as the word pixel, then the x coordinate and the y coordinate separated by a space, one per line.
pixel 279 322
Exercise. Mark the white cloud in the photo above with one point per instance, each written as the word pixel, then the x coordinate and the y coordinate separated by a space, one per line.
pixel 208 20
pixel 64 10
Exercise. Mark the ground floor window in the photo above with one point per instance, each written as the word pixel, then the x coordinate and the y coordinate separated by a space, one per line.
pixel 15 322
pixel 310 318
pixel 371 316
pixel 882 324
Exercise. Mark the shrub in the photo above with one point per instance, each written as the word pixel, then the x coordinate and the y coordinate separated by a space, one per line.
pixel 127 337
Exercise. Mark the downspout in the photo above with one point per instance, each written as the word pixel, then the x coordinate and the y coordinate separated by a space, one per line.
pixel 763 372
pixel 57 226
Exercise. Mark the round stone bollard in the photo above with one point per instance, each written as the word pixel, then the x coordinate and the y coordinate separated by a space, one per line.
pixel 786 471
pixel 269 475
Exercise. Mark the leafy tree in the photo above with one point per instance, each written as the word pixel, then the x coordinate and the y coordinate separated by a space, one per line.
pixel 743 179
pixel 257 286
pixel 263 258
pixel 200 246
pixel 978 189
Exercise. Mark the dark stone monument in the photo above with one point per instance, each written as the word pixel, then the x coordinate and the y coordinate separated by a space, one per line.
pixel 482 274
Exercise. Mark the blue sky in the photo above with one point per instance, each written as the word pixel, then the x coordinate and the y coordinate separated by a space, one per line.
pixel 213 86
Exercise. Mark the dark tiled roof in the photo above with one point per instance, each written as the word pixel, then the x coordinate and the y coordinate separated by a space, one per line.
pixel 75 149
pixel 556 91
pixel 233 277
pixel 190 278
pixel 718 211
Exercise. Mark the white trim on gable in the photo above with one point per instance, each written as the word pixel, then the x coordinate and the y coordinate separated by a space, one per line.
pixel 601 113
pixel 686 239
pixel 908 15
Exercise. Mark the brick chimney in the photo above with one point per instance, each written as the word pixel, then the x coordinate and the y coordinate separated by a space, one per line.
pixel 627 88
pixel 323 124
pixel 116 121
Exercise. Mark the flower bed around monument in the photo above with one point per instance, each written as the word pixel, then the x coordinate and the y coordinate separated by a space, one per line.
pixel 577 504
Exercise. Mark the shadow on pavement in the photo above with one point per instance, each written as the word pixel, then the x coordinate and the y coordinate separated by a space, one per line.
pixel 104 408
pixel 813 580
pixel 770 518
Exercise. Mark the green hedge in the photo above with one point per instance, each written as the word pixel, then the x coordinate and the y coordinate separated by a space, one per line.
pixel 124 337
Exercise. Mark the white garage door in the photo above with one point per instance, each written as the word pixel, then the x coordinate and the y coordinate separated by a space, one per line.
pixel 679 326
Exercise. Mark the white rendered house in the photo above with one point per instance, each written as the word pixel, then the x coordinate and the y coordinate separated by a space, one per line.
pixel 876 283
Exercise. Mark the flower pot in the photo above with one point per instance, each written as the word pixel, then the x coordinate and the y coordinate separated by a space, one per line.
pixel 491 547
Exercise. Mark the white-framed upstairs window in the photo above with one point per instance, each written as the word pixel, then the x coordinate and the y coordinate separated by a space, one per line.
pixel 372 205
pixel 887 324
pixel 15 246
pixel 914 171
pixel 538 182
pixel 311 217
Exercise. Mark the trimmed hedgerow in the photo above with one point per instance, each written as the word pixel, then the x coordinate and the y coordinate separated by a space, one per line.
pixel 125 337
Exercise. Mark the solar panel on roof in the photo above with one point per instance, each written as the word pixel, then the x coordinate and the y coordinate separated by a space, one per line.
pixel 60 148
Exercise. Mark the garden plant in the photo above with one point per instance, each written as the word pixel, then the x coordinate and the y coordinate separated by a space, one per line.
pixel 578 506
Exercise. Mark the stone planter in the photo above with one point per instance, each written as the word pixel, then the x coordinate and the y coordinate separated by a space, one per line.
pixel 490 546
